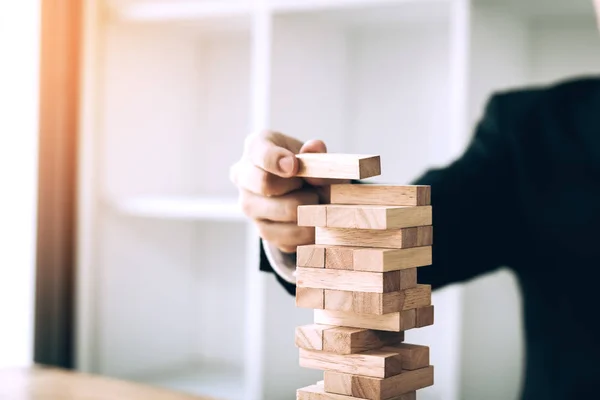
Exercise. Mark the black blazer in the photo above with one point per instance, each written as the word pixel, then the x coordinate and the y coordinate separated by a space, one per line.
pixel 526 195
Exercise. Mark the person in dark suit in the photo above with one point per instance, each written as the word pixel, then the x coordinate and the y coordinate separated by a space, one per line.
pixel 525 194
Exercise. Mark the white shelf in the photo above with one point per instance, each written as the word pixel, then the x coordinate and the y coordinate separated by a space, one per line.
pixel 220 383
pixel 318 5
pixel 186 208
pixel 176 10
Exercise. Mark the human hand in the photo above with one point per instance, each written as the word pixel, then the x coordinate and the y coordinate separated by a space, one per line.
pixel 269 191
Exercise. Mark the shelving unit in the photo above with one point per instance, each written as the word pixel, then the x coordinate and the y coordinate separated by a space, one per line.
pixel 168 283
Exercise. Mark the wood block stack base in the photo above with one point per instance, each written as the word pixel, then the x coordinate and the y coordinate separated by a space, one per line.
pixel 360 277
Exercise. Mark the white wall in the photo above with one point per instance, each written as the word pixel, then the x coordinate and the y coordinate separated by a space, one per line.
pixel 19 96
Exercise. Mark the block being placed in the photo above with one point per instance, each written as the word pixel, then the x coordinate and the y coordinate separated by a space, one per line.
pixel 338 166
pixel 393 322
pixel 378 194
pixel 378 282
pixel 317 392
pixel 365 387
pixel 377 303
pixel 394 238
pixel 310 298
pixel 311 256
pixel 373 363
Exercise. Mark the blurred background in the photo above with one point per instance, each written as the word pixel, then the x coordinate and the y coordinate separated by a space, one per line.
pixel 122 249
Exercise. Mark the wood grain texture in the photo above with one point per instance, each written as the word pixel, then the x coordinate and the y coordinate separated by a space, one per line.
pixel 340 257
pixel 372 363
pixel 312 215
pixel 414 356
pixel 338 166
pixel 383 260
pixel 310 336
pixel 317 392
pixel 396 238
pixel 310 298
pixel 310 256
pixel 417 297
pixel 346 340
pixel 393 322
pixel 37 382
pixel 366 387
pixel 424 316
pixel 376 217
pixel 377 303
pixel 377 194
pixel 379 282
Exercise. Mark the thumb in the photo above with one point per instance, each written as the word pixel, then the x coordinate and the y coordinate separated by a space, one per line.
pixel 314 146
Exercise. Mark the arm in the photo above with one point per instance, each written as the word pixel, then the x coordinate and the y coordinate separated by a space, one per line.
pixel 472 210
pixel 473 203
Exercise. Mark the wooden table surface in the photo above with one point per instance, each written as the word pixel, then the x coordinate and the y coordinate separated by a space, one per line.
pixel 42 383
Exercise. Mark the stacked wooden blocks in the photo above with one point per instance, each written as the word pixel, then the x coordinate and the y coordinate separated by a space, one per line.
pixel 360 276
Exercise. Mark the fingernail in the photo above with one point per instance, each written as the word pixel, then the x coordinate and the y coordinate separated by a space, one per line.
pixel 286 164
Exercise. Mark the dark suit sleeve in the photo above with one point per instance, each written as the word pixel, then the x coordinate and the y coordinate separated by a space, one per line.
pixel 473 205
pixel 265 266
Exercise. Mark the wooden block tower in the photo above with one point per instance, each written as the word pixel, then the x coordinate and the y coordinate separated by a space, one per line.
pixel 360 276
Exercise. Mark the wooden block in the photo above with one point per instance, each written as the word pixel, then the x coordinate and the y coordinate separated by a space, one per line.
pixel 345 340
pixel 337 279
pixel 310 256
pixel 414 356
pixel 393 322
pixel 377 194
pixel 383 260
pixel 408 319
pixel 424 316
pixel 310 298
pixel 396 238
pixel 310 336
pixel 366 387
pixel 338 166
pixel 317 392
pixel 341 300
pixel 417 297
pixel 375 217
pixel 373 363
pixel 312 215
pixel 377 303
pixel 340 257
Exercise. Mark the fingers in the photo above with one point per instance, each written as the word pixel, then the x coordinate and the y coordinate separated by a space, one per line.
pixel 318 146
pixel 273 152
pixel 277 209
pixel 313 146
pixel 285 235
pixel 256 180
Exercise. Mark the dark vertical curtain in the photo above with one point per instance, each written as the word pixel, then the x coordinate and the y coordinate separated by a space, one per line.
pixel 57 207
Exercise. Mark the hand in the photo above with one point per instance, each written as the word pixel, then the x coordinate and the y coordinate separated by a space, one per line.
pixel 269 191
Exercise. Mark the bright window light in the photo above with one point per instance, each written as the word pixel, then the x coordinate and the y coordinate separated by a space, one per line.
pixel 19 70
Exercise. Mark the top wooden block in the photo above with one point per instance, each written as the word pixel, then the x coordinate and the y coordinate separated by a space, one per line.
pixel 384 195
pixel 338 166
